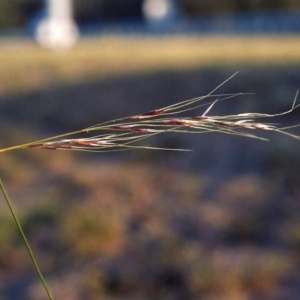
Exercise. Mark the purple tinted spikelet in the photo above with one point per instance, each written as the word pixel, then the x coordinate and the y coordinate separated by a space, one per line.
pixel 147 114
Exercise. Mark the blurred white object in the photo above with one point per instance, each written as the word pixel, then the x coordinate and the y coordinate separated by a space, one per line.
pixel 58 29
pixel 159 10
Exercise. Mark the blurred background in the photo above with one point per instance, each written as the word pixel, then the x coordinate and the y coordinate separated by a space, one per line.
pixel 220 222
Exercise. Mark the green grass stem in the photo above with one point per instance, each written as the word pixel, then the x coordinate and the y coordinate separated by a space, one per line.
pixel 25 241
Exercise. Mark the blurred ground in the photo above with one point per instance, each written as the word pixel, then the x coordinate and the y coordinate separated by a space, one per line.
pixel 217 223
pixel 116 55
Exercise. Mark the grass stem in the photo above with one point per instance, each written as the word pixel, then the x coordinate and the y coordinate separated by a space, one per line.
pixel 25 241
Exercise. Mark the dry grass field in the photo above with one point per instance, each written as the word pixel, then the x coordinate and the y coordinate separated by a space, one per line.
pixel 24 66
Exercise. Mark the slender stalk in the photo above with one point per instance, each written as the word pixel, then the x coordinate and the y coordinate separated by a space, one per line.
pixel 25 241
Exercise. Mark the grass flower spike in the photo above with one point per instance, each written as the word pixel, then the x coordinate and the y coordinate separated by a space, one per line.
pixel 127 133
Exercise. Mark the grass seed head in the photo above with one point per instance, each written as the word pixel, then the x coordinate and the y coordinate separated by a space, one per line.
pixel 128 132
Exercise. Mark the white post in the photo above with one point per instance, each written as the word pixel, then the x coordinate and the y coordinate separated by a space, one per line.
pixel 58 29
pixel 158 11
